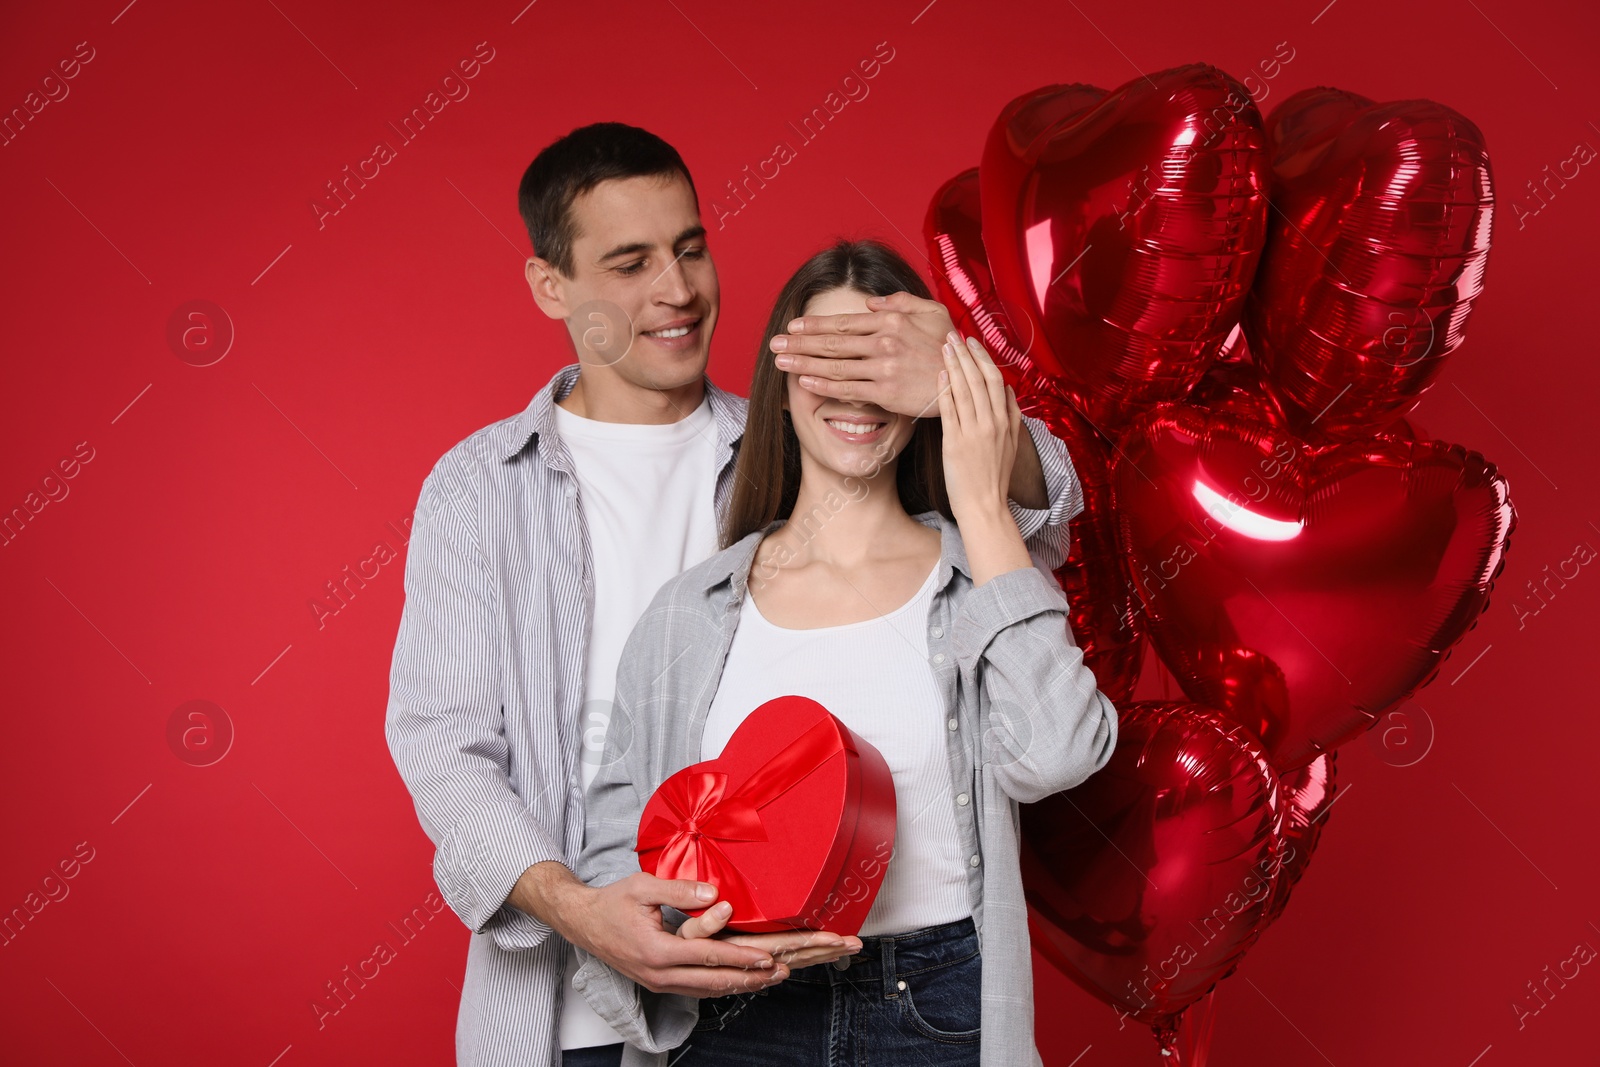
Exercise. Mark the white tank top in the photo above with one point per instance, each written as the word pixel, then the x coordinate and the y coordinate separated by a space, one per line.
pixel 875 676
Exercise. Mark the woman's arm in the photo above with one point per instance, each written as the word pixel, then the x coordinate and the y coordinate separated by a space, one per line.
pixel 655 1022
pixel 982 424
pixel 613 801
pixel 1046 725
pixel 656 1007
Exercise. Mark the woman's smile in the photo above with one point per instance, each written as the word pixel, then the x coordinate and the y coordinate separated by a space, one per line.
pixel 857 429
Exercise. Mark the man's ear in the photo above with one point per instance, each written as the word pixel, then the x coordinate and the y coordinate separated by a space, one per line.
pixel 545 283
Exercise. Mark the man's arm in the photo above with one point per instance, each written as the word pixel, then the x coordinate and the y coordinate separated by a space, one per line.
pixel 1046 529
pixel 496 864
pixel 1027 487
pixel 891 356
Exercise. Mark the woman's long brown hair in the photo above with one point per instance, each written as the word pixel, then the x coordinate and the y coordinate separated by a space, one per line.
pixel 767 473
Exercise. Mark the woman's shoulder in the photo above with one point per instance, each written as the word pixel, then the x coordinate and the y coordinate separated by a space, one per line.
pixel 697 586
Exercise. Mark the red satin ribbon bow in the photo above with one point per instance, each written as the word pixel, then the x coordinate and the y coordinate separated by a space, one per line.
pixel 704 816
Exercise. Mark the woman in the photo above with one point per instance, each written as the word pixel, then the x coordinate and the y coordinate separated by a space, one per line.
pixel 870 562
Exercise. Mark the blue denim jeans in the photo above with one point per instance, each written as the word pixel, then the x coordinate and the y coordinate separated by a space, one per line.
pixel 905 1000
pixel 594 1056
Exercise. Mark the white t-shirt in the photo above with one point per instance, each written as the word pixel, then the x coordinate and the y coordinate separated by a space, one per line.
pixel 648 494
pixel 875 676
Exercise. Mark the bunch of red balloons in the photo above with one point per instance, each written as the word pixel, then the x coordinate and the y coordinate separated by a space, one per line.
pixel 1227 319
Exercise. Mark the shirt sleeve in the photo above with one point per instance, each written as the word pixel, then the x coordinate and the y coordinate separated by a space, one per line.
pixel 445 722
pixel 1045 725
pixel 1045 529
pixel 654 1022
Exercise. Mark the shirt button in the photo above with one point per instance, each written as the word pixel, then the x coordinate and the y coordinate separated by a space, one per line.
pixel 938 657
pixel 962 799
pixel 951 724
pixel 938 631
pixel 973 862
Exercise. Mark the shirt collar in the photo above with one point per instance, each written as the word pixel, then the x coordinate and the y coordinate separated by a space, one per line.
pixel 538 417
pixel 736 559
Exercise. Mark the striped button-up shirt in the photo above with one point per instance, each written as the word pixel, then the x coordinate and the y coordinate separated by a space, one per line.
pixel 486 691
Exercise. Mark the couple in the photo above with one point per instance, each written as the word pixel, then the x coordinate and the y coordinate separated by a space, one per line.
pixel 600 588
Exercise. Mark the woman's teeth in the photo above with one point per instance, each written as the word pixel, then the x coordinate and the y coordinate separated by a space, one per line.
pixel 675 331
pixel 856 428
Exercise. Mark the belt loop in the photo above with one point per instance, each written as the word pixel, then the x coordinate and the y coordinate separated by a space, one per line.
pixel 891 988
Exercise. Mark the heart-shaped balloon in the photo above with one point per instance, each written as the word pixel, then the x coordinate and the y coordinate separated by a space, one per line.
pixel 1308 793
pixel 1375 254
pixel 1304 591
pixel 1102 606
pixel 1127 231
pixel 1235 386
pixel 961 279
pixel 1103 610
pixel 1148 882
pixel 954 232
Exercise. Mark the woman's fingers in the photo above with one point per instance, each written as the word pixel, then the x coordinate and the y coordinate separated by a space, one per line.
pixel 810 957
pixel 781 941
pixel 947 405
pixel 693 981
pixel 960 387
pixel 1014 414
pixel 708 922
pixel 982 404
pixel 800 948
pixel 992 376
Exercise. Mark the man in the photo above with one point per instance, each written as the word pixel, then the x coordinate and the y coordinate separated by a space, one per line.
pixel 538 542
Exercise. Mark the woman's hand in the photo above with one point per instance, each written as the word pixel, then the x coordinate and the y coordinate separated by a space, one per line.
pixel 793 949
pixel 981 423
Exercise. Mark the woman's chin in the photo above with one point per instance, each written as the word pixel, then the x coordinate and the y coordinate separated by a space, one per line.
pixel 863 466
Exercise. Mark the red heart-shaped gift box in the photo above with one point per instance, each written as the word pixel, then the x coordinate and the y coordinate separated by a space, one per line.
pixel 793 823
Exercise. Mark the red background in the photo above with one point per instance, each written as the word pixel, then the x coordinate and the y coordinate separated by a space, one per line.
pixel 180 567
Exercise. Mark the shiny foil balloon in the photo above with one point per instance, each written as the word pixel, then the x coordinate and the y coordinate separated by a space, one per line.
pixel 1102 608
pixel 1308 793
pixel 1235 387
pixel 1374 258
pixel 1128 231
pixel 954 233
pixel 1304 591
pixel 1148 882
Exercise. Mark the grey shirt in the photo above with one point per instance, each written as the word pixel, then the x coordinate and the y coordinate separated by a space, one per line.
pixel 486 691
pixel 1025 719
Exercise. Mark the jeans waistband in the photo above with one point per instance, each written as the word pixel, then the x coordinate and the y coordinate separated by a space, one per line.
pixel 886 958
